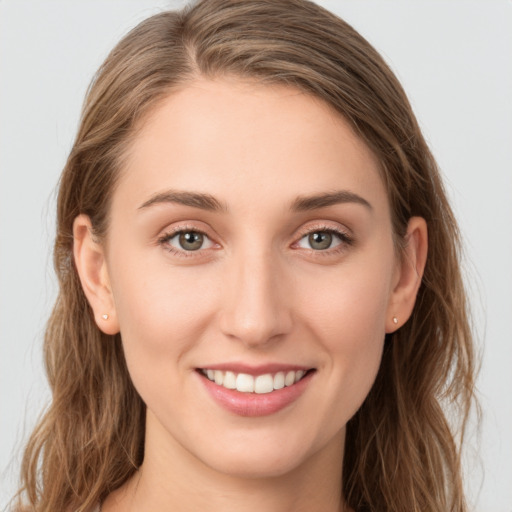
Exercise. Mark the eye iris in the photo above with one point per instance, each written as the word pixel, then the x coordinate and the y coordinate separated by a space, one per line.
pixel 320 240
pixel 191 240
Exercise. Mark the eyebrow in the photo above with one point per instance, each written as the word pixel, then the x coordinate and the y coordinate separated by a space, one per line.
pixel 193 199
pixel 306 203
pixel 210 203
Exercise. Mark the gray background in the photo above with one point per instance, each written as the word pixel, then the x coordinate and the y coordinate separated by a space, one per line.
pixel 454 58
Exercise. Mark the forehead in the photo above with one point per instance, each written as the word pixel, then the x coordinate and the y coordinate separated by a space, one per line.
pixel 245 142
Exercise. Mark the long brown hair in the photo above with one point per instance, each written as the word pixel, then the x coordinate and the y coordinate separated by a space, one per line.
pixel 401 454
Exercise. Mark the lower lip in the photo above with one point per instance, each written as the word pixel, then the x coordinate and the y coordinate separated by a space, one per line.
pixel 255 404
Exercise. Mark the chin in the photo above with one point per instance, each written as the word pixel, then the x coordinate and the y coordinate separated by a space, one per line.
pixel 256 466
pixel 268 454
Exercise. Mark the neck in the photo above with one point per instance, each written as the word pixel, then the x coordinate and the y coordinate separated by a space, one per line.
pixel 189 485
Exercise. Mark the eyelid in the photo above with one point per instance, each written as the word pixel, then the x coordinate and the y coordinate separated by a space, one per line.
pixel 173 231
pixel 173 236
pixel 323 226
pixel 344 235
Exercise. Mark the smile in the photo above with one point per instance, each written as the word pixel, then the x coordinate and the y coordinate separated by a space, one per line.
pixel 249 391
pixel 260 384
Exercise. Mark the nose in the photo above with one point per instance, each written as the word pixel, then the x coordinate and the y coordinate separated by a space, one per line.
pixel 256 305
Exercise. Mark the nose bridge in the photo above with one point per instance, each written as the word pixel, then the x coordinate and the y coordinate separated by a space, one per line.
pixel 255 310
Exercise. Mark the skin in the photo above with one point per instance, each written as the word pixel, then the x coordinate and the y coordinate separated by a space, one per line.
pixel 256 292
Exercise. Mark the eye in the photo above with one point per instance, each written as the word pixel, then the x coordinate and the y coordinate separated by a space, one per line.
pixel 322 240
pixel 187 240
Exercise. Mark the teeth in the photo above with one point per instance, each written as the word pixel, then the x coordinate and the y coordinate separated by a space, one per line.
pixel 264 383
pixel 289 379
pixel 218 377
pixel 245 383
pixel 279 380
pixel 229 380
pixel 261 384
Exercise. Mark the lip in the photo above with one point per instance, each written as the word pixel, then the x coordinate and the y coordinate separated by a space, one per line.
pixel 254 404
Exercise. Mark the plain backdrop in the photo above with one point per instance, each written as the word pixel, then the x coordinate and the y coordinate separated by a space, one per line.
pixel 454 58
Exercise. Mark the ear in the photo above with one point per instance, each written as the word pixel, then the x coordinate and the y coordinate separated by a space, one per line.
pixel 408 276
pixel 91 265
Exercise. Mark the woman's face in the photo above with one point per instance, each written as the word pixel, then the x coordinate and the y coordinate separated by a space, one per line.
pixel 250 234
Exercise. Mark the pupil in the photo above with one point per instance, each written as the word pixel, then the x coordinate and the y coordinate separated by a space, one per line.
pixel 191 240
pixel 320 240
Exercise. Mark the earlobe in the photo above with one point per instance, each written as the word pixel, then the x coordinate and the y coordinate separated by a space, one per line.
pixel 92 270
pixel 409 274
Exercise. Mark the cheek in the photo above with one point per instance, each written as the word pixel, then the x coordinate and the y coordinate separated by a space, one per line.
pixel 350 306
pixel 348 319
pixel 162 315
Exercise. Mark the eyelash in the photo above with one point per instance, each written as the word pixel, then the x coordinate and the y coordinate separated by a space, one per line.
pixel 345 240
pixel 166 237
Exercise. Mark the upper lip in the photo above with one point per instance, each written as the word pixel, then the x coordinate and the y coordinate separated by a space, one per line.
pixel 255 369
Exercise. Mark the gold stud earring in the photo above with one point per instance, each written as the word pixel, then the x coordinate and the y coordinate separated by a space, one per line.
pixel 105 316
pixel 395 320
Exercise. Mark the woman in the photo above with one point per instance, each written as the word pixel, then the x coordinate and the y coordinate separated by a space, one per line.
pixel 260 294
